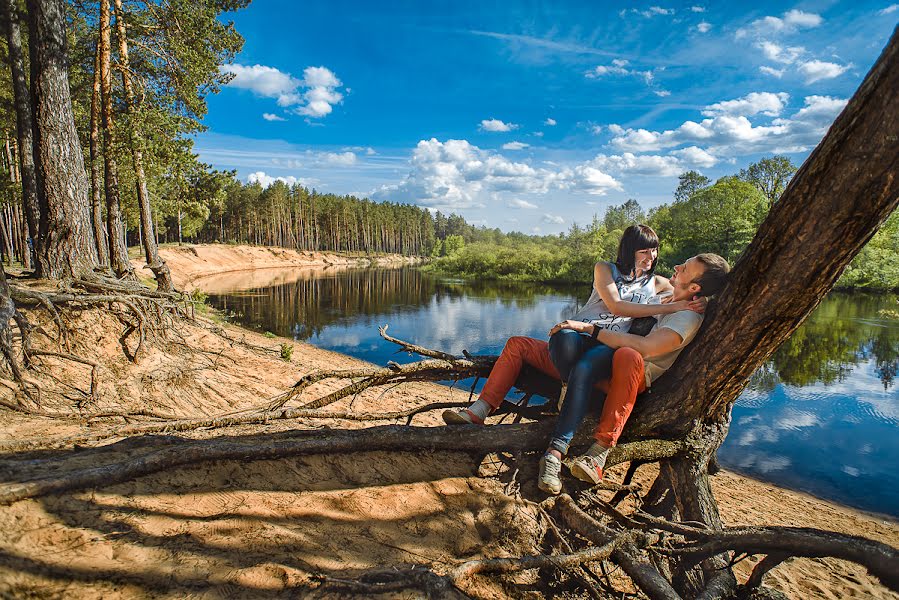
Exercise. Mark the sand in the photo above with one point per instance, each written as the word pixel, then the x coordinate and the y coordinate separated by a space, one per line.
pixel 273 528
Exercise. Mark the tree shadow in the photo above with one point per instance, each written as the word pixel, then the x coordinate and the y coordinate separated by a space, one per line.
pixel 264 528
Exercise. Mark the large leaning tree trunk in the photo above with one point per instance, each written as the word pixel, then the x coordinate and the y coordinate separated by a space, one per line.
pixel 148 236
pixel 65 240
pixel 118 253
pixel 24 121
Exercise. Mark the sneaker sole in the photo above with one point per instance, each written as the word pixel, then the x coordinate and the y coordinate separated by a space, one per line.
pixel 579 472
pixel 452 417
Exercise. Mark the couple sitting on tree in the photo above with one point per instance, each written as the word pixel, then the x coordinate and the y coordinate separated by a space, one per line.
pixel 594 349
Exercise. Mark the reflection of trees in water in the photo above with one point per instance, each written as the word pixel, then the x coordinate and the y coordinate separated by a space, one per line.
pixel 303 308
pixel 844 331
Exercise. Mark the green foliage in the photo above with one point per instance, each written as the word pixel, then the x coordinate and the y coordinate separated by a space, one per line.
pixel 452 245
pixel 286 351
pixel 269 335
pixel 688 184
pixel 720 219
pixel 876 266
pixel 770 175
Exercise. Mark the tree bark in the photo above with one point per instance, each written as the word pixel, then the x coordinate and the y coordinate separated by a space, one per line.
pixel 100 237
pixel 65 244
pixel 34 206
pixel 148 237
pixel 118 253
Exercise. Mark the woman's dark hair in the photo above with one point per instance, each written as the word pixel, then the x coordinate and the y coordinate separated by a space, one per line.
pixel 635 238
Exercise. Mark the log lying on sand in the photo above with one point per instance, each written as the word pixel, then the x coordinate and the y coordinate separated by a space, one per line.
pixel 112 467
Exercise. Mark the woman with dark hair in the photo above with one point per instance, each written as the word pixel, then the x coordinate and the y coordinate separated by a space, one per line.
pixel 622 291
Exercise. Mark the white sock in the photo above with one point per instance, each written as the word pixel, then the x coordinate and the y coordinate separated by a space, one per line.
pixel 599 453
pixel 481 408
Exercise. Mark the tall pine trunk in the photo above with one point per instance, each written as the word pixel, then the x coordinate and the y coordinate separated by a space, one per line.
pixel 24 126
pixel 118 253
pixel 100 236
pixel 148 237
pixel 65 241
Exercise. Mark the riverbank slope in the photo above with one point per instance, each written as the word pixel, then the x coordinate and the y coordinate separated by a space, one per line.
pixel 239 528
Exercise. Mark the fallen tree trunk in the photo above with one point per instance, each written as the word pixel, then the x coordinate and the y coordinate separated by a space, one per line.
pixel 179 452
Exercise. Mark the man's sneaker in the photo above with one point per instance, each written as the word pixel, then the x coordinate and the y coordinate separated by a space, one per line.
pixel 548 479
pixel 461 417
pixel 587 468
pixel 562 396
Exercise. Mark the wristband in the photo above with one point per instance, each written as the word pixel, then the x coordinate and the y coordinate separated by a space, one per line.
pixel 595 334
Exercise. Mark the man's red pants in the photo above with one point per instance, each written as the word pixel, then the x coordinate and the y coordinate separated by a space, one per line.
pixel 626 383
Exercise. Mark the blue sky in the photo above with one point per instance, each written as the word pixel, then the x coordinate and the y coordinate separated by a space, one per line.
pixel 532 116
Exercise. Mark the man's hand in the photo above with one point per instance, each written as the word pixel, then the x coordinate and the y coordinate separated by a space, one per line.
pixel 578 326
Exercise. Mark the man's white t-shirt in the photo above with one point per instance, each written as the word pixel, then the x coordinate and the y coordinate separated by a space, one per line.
pixel 686 324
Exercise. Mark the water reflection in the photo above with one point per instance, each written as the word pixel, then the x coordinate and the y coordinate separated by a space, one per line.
pixel 820 416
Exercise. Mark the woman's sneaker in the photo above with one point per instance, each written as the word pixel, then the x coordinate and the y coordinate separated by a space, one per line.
pixel 587 468
pixel 548 480
pixel 461 417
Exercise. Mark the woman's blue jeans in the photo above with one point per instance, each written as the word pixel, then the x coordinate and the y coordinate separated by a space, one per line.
pixel 581 362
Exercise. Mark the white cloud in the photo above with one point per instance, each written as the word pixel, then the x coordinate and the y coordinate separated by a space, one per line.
pixel 662 93
pixel 515 146
pixel 799 18
pixel 368 150
pixel 552 219
pixel 729 135
pixel 550 122
pixel 704 27
pixel 791 20
pixel 322 94
pixel 816 70
pixel 778 53
pixel 519 203
pixel 265 180
pixel 889 9
pixel 272 117
pixel 753 103
pixel 650 12
pixel 264 81
pixel 457 175
pixel 695 157
pixel 620 67
pixel 314 95
pixel 697 9
pixel 772 71
pixel 652 165
pixel 596 129
pixel 342 159
pixel 496 125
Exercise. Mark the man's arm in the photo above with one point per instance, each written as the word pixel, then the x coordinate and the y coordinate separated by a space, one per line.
pixel 661 341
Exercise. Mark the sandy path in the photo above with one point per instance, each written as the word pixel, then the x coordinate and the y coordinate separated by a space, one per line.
pixel 269 528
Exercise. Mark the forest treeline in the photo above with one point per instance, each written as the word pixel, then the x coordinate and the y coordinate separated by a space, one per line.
pixel 720 217
pixel 99 105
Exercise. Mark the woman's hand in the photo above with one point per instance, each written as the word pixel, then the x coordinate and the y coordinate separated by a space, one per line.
pixel 697 304
pixel 578 326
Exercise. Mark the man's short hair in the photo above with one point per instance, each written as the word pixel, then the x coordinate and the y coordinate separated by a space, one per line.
pixel 714 276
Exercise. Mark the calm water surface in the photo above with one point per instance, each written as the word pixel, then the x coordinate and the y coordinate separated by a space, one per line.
pixel 820 417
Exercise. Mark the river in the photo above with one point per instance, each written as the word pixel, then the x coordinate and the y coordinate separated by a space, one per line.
pixel 820 417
